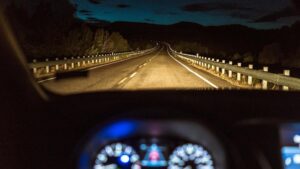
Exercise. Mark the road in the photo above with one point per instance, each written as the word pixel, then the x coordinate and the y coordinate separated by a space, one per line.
pixel 159 70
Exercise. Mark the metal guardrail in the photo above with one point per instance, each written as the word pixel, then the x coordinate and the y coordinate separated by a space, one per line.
pixel 49 67
pixel 278 79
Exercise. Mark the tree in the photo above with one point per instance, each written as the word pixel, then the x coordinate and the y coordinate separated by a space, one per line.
pixel 248 58
pixel 271 54
pixel 236 57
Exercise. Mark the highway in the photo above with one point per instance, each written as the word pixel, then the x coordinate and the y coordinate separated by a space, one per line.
pixel 158 70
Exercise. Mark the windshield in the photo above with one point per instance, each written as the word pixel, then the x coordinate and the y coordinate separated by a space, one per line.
pixel 92 45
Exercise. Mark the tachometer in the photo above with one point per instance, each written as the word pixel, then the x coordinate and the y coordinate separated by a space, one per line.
pixel 190 156
pixel 115 156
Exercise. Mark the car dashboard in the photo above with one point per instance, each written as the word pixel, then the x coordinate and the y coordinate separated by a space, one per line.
pixel 162 129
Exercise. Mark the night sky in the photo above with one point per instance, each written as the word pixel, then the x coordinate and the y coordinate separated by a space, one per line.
pixel 262 14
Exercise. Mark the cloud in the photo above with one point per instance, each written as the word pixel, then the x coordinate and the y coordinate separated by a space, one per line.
pixel 149 20
pixel 92 19
pixel 289 11
pixel 212 6
pixel 274 16
pixel 83 11
pixel 95 1
pixel 123 6
pixel 241 15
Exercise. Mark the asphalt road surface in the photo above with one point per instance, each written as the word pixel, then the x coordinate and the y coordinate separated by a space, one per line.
pixel 158 70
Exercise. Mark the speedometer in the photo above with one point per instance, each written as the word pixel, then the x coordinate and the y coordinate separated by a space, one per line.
pixel 117 156
pixel 190 156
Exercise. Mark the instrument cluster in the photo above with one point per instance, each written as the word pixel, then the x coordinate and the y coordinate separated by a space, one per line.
pixel 153 154
pixel 133 144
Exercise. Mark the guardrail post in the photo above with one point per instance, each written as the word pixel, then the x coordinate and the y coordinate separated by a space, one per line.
pixel 238 76
pixel 250 77
pixel 223 70
pixel 202 63
pixel 65 65
pixel 34 69
pixel 47 67
pixel 264 82
pixel 78 63
pixel 56 66
pixel 229 71
pixel 218 68
pixel 212 66
pixel 72 64
pixel 286 73
pixel 83 62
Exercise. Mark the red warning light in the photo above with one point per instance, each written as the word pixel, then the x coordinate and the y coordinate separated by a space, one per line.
pixel 154 156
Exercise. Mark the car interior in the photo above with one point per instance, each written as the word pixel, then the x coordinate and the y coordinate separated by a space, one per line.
pixel 154 128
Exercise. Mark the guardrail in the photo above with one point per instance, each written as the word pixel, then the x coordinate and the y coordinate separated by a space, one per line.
pixel 236 72
pixel 50 67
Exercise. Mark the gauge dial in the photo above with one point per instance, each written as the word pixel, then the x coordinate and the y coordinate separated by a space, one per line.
pixel 190 156
pixel 117 156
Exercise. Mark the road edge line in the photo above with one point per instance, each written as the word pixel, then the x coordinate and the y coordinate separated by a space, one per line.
pixel 193 72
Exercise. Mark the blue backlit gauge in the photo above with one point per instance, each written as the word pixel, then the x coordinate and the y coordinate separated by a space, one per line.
pixel 117 156
pixel 190 156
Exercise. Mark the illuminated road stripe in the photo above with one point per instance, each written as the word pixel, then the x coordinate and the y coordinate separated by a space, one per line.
pixel 196 74
pixel 123 80
pixel 133 74
pixel 52 78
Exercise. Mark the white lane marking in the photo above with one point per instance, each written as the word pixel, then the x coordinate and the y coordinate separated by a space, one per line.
pixel 123 80
pixel 41 81
pixel 196 74
pixel 133 74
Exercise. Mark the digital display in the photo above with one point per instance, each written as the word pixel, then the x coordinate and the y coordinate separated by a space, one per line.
pixel 290 150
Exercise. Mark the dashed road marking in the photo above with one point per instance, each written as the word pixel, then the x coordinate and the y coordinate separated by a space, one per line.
pixel 123 80
pixel 133 74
